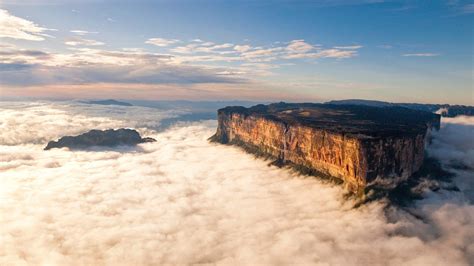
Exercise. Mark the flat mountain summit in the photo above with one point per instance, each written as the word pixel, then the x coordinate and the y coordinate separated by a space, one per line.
pixel 360 145
pixel 356 120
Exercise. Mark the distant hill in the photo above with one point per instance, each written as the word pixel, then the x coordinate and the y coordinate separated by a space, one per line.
pixel 108 102
pixel 195 106
pixel 445 110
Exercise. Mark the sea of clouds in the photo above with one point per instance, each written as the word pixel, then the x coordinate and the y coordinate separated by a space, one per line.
pixel 183 200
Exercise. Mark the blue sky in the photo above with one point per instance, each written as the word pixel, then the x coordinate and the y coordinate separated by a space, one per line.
pixel 405 51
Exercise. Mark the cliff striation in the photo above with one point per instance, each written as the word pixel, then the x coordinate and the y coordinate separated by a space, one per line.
pixel 360 145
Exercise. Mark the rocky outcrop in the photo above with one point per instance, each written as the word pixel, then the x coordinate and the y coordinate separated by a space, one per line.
pixel 359 145
pixel 107 138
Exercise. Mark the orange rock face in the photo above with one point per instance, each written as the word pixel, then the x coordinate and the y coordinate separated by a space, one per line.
pixel 358 158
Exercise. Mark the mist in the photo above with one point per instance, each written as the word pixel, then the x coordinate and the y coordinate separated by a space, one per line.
pixel 183 200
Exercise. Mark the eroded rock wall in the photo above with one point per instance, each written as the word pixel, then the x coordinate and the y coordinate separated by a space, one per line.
pixel 393 159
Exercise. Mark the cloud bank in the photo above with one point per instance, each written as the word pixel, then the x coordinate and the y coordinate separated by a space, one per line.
pixel 183 200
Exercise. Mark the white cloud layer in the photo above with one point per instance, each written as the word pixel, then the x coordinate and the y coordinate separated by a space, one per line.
pixel 19 28
pixel 183 200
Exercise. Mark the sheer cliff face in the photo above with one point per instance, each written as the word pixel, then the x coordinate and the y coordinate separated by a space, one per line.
pixel 357 159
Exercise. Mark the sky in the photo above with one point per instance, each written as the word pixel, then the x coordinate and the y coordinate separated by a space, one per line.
pixel 399 51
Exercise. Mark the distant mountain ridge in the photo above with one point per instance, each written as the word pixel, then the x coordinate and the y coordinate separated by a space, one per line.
pixel 108 102
pixel 445 110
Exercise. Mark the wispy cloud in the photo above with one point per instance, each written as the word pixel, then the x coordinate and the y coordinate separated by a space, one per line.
pixel 326 53
pixel 243 53
pixel 262 54
pixel 161 42
pixel 76 41
pixel 298 49
pixel 203 47
pixel 468 9
pixel 421 55
pixel 242 48
pixel 19 28
pixel 83 32
pixel 460 7
pixel 299 46
pixel 351 47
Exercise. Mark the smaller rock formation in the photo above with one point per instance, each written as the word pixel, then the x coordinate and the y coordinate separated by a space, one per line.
pixel 107 138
